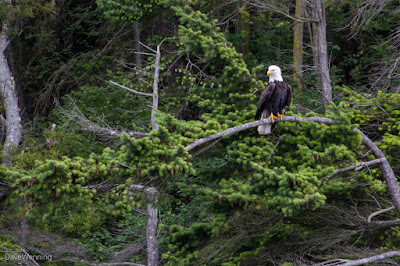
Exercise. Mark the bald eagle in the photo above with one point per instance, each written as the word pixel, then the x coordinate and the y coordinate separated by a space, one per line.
pixel 274 100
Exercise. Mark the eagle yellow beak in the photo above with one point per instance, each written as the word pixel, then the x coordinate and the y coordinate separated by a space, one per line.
pixel 269 72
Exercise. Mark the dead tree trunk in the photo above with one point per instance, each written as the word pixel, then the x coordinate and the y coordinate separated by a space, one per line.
pixel 151 231
pixel 320 53
pixel 10 99
pixel 152 220
pixel 154 124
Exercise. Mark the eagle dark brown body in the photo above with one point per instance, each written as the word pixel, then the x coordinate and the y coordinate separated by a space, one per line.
pixel 274 100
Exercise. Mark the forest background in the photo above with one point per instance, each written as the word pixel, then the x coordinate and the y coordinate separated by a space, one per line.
pixel 129 135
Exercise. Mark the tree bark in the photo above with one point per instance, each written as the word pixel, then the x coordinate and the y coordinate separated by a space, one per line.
pixel 151 231
pixel 9 95
pixel 366 260
pixel 387 171
pixel 320 52
pixel 154 124
pixel 298 45
pixel 152 220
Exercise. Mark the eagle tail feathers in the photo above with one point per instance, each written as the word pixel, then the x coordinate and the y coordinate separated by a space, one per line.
pixel 264 129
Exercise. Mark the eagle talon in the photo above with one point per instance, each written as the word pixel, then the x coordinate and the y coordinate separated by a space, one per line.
pixel 280 116
pixel 272 117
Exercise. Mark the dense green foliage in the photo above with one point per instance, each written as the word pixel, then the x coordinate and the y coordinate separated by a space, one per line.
pixel 246 199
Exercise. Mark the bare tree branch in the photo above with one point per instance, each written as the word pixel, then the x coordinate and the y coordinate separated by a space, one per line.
pixel 106 130
pixel 131 90
pixel 382 224
pixel 249 125
pixel 343 262
pixel 154 51
pixel 278 8
pixel 387 171
pixel 360 165
pixel 128 252
pixel 207 147
pixel 28 257
pixel 101 264
pixel 364 13
pixel 379 212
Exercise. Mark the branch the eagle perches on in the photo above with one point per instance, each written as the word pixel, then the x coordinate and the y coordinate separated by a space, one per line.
pixel 387 171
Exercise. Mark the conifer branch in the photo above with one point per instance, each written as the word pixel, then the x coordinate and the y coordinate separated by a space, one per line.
pixel 387 171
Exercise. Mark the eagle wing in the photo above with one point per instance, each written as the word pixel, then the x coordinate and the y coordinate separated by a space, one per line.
pixel 265 96
pixel 288 98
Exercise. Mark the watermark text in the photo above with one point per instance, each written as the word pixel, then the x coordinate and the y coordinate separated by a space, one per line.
pixel 24 257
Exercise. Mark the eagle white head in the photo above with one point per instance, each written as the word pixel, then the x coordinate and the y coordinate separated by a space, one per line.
pixel 274 73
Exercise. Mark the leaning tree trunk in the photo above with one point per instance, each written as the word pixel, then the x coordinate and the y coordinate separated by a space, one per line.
pixel 320 52
pixel 10 99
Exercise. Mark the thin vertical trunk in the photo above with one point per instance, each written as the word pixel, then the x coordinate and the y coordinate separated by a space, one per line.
pixel 151 231
pixel 152 221
pixel 154 109
pixel 10 99
pixel 298 45
pixel 320 52
pixel 138 56
pixel 314 47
